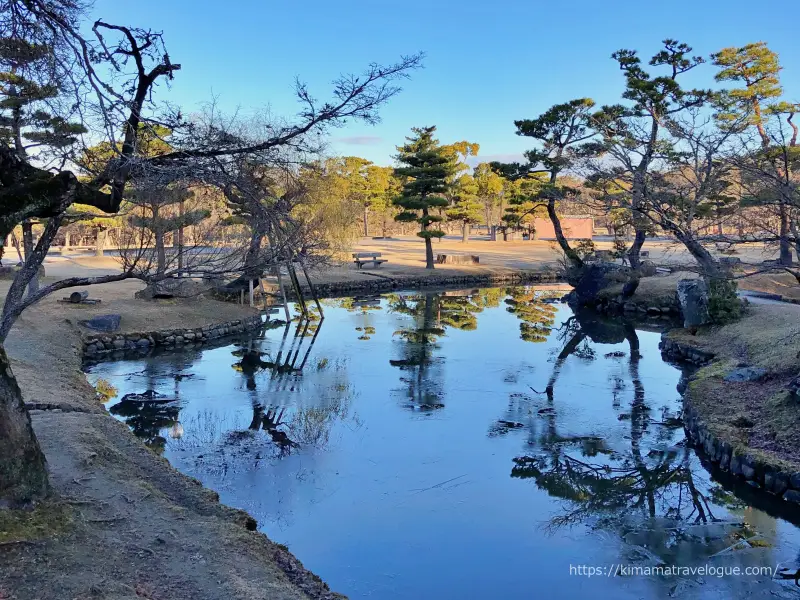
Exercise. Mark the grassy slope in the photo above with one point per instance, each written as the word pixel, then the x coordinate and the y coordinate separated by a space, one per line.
pixel 762 415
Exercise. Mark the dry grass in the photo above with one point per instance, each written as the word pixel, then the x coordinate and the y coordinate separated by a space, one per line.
pixel 48 335
pixel 768 336
pixel 783 284
pixel 761 417
pixel 137 315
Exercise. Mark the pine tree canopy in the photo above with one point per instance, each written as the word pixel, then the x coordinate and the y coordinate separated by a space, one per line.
pixel 24 119
pixel 425 171
pixel 466 206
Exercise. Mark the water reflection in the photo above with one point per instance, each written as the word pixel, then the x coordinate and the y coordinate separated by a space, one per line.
pixel 362 305
pixel 422 377
pixel 647 492
pixel 536 311
pixel 147 420
pixel 301 425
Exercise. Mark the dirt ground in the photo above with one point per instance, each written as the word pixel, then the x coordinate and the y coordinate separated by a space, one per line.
pixel 122 523
pixel 406 259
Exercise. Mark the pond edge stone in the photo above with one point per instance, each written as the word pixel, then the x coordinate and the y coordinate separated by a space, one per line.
pixel 771 477
pixel 95 346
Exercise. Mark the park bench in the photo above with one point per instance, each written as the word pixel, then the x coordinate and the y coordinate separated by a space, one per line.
pixel 363 258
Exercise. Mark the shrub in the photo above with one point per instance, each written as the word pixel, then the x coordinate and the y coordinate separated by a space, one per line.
pixel 584 248
pixel 724 305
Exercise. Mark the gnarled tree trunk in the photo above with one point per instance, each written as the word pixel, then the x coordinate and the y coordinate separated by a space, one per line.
pixel 571 255
pixel 23 470
pixel 27 243
pixel 634 252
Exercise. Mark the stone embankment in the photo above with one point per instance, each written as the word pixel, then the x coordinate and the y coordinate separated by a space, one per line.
pixel 95 345
pixel 380 283
pixel 772 475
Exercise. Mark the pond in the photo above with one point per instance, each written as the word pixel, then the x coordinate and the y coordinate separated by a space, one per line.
pixel 459 444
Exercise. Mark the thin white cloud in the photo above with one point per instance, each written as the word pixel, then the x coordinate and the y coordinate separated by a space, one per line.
pixel 359 140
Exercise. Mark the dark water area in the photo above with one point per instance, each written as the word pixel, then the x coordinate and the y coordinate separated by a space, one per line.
pixel 463 444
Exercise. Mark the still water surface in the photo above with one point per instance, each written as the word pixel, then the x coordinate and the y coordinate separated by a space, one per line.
pixel 467 444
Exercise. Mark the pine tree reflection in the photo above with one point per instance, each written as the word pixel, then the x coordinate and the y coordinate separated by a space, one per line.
pixel 611 486
pixel 148 419
pixel 363 306
pixel 151 412
pixel 535 309
pixel 424 381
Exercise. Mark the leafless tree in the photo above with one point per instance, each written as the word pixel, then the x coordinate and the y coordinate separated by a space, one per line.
pixel 107 76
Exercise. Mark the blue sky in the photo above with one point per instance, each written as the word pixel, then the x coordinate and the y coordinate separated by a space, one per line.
pixel 488 63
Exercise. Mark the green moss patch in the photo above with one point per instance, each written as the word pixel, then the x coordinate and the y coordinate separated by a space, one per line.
pixel 46 520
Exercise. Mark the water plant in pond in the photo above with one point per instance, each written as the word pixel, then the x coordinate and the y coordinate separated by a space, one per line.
pixel 104 390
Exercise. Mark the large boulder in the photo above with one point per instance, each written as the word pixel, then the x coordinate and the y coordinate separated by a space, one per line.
pixel 647 269
pixel 730 261
pixel 745 373
pixel 173 288
pixel 591 278
pixel 693 298
pixel 104 323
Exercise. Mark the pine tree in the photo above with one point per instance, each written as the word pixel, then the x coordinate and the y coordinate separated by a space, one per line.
pixel 162 211
pixel 757 69
pixel 523 204
pixel 361 183
pixel 466 207
pixel 559 133
pixel 24 122
pixel 382 188
pixel 490 193
pixel 426 169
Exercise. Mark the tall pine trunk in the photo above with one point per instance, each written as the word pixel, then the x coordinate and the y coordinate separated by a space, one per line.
pixel 428 253
pixel 571 255
pixel 27 243
pixel 158 238
pixel 785 258
pixel 465 233
pixel 101 242
pixel 428 242
pixel 634 252
pixel 182 215
pixel 23 470
pixel 366 221
pixel 161 253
